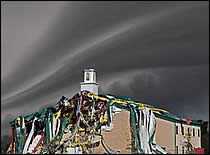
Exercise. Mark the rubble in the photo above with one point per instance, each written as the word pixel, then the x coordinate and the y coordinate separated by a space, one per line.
pixel 74 126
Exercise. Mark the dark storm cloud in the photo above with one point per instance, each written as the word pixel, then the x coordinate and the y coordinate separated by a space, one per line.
pixel 154 51
pixel 77 24
pixel 69 31
pixel 181 90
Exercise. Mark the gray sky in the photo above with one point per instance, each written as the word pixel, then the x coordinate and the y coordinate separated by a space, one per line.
pixel 157 52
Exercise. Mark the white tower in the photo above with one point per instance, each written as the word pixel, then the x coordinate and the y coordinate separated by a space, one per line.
pixel 89 83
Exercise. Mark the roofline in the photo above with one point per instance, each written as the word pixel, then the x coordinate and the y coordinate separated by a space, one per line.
pixel 90 69
pixel 174 120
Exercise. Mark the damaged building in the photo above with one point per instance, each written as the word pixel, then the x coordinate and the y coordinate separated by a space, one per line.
pixel 90 122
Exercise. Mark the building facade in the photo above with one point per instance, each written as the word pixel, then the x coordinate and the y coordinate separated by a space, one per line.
pixel 187 137
pixel 173 134
pixel 177 136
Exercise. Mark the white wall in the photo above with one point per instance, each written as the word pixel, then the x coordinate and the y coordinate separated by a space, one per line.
pixel 90 87
pixel 195 140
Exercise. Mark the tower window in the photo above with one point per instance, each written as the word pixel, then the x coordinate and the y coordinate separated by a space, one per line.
pixel 193 132
pixel 87 76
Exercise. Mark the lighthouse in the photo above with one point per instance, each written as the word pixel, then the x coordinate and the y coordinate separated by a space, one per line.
pixel 89 81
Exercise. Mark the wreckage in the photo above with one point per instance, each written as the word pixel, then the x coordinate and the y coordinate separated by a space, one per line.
pixel 74 126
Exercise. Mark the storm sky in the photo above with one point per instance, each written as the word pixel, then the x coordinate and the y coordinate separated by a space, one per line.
pixel 156 52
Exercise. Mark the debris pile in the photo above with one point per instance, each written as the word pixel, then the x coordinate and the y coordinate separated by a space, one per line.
pixel 74 126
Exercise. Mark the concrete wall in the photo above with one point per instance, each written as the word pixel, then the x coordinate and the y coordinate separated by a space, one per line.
pixel 165 135
pixel 119 138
